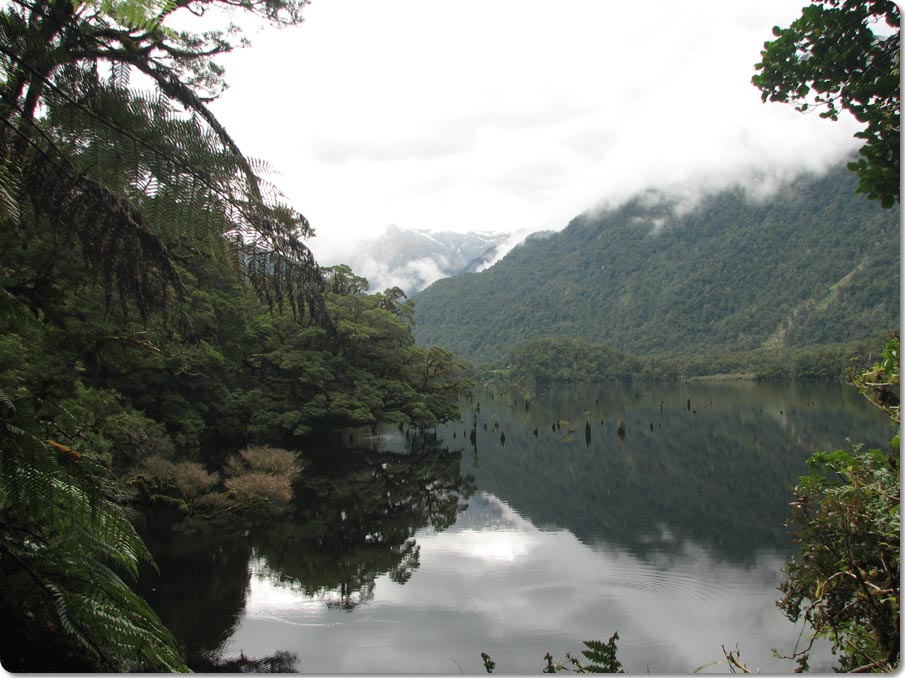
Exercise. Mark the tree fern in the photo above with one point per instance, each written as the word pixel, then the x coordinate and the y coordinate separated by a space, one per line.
pixel 68 539
pixel 602 656
pixel 122 150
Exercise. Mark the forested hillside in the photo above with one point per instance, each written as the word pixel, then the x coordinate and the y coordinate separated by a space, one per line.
pixel 813 264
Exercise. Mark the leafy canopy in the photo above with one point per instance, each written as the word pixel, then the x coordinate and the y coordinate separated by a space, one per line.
pixel 844 55
pixel 124 176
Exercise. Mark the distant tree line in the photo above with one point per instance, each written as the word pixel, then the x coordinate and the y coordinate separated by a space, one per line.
pixel 562 360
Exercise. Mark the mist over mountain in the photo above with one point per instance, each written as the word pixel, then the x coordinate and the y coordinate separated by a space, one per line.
pixel 811 264
pixel 414 258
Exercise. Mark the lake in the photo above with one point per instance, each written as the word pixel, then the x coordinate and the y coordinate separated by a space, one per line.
pixel 526 528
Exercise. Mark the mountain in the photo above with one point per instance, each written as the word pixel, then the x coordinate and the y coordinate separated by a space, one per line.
pixel 812 264
pixel 413 258
pixel 454 251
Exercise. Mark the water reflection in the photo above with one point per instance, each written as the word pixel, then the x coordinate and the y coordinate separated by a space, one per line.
pixel 672 535
pixel 354 520
pixel 201 589
pixel 707 463
pixel 497 583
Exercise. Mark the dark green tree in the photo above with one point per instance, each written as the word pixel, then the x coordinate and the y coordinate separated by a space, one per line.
pixel 839 56
pixel 844 55
pixel 443 383
pixel 368 373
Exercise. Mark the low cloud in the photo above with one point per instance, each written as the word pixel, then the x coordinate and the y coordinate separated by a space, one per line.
pixel 512 117
pixel 513 241
pixel 413 276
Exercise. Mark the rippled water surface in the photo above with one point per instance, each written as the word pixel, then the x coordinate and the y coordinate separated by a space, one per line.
pixel 525 529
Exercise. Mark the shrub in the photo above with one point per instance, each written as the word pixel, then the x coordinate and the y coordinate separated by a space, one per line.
pixel 261 491
pixel 846 581
pixel 192 480
pixel 264 459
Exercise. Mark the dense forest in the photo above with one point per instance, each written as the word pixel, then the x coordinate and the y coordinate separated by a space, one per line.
pixel 162 322
pixel 564 360
pixel 813 264
pixel 171 399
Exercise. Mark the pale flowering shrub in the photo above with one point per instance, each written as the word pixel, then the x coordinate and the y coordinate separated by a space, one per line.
pixel 258 478
pixel 162 470
pixel 192 480
pixel 273 461
pixel 260 490
pixel 261 477
pixel 188 480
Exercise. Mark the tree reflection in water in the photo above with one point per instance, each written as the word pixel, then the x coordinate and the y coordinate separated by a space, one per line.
pixel 682 521
pixel 705 464
pixel 356 514
pixel 353 520
pixel 200 591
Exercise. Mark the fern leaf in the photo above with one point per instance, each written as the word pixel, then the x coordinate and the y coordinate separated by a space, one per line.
pixel 603 656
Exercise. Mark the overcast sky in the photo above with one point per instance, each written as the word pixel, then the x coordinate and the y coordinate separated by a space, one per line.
pixel 512 115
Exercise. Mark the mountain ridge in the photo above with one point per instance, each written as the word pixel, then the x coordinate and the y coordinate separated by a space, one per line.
pixel 815 263
pixel 411 258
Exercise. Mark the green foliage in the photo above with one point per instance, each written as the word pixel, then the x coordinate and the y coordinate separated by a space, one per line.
pixel 109 194
pixel 567 359
pixel 880 383
pixel 813 265
pixel 846 584
pixel 126 179
pixel 561 360
pixel 64 543
pixel 847 517
pixel 170 402
pixel 601 655
pixel 442 384
pixel 489 664
pixel 370 372
pixel 836 57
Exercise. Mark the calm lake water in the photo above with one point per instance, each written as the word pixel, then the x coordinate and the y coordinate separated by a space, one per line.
pixel 525 529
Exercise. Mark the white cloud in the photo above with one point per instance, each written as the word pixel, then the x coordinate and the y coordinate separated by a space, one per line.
pixel 514 240
pixel 516 114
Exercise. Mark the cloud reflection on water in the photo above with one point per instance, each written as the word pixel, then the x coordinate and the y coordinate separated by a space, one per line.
pixel 494 582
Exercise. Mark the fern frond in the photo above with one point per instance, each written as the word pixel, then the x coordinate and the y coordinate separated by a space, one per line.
pixel 149 171
pixel 65 532
pixel 603 656
pixel 9 189
pixel 7 404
